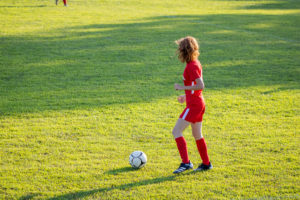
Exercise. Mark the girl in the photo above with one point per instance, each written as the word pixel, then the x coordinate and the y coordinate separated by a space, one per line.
pixel 188 51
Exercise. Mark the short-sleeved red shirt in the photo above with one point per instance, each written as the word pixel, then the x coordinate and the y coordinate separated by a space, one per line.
pixel 192 71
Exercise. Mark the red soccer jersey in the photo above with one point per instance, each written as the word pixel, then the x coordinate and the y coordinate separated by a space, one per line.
pixel 192 71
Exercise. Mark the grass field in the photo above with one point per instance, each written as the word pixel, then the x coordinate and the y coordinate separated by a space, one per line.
pixel 83 86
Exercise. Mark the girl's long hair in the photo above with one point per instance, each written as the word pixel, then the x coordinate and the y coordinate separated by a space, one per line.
pixel 188 49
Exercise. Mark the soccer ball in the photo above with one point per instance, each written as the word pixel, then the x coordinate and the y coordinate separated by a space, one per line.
pixel 137 159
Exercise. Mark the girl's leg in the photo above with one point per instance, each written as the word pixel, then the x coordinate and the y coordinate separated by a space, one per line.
pixel 181 124
pixel 65 2
pixel 201 145
pixel 180 141
pixel 197 130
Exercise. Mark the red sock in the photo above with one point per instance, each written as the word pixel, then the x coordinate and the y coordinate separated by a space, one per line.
pixel 202 148
pixel 182 148
pixel 65 2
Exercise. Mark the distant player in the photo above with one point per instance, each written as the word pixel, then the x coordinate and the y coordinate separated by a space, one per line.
pixel 188 52
pixel 65 2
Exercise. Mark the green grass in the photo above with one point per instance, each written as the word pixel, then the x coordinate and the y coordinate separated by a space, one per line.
pixel 82 87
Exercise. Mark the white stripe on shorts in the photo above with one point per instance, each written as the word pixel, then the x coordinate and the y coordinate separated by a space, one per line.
pixel 185 114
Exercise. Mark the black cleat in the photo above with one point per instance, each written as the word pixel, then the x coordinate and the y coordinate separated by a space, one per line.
pixel 183 167
pixel 203 167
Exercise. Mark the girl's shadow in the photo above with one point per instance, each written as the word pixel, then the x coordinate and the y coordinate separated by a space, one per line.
pixel 85 193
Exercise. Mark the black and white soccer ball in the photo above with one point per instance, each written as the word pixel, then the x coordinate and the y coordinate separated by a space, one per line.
pixel 137 159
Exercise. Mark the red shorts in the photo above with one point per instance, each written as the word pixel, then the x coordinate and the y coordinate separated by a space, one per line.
pixel 193 115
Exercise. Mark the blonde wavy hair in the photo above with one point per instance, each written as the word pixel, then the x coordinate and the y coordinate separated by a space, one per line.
pixel 188 49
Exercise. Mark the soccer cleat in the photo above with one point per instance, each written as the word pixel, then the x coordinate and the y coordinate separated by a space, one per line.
pixel 183 167
pixel 203 167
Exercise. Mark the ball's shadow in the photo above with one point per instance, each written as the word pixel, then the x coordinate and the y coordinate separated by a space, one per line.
pixel 120 170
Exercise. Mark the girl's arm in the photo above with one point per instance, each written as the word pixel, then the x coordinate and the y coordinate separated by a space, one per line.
pixel 199 85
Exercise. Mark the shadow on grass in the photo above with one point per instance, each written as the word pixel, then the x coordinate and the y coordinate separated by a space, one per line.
pixel 82 194
pixel 281 5
pixel 120 170
pixel 98 65
pixel 293 87
pixel 29 196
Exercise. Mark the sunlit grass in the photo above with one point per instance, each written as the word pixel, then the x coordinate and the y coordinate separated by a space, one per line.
pixel 82 87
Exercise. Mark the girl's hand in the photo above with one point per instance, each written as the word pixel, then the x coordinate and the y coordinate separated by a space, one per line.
pixel 178 87
pixel 181 99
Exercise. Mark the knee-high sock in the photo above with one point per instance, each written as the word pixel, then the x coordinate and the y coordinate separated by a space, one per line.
pixel 182 148
pixel 65 2
pixel 202 148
